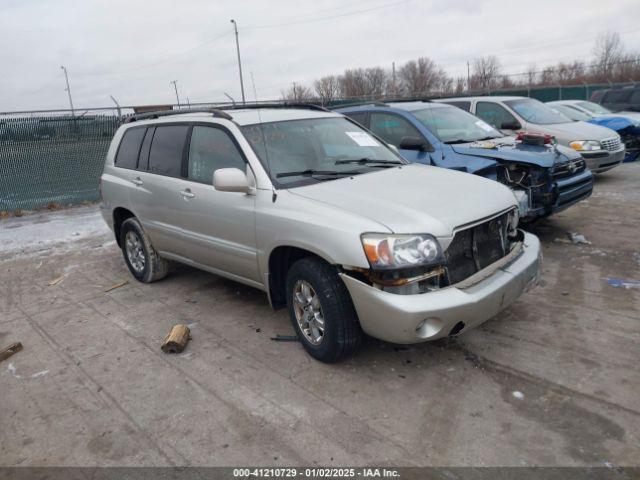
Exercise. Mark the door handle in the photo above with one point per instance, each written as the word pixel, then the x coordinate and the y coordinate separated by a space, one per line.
pixel 187 194
pixel 137 181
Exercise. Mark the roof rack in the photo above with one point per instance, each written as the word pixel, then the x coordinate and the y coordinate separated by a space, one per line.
pixel 410 99
pixel 309 106
pixel 216 112
pixel 357 104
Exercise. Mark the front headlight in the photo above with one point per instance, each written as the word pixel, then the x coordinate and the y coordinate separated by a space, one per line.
pixel 386 252
pixel 585 145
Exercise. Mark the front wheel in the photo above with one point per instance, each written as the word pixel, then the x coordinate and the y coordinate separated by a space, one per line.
pixel 321 310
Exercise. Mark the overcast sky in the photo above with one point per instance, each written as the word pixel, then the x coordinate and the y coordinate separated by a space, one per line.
pixel 133 49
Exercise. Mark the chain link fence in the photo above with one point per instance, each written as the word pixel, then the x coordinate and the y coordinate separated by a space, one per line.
pixel 53 158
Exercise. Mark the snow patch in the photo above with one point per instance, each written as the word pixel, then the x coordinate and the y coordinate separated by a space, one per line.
pixel 61 230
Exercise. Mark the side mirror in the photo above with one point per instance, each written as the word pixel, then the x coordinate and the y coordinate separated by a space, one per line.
pixel 415 143
pixel 230 180
pixel 510 125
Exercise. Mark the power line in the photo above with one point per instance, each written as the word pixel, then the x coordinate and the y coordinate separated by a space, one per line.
pixel 322 19
pixel 160 62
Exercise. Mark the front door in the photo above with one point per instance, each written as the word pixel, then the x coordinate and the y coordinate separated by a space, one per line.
pixel 218 226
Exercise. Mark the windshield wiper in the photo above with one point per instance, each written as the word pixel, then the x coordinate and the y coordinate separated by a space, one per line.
pixel 311 173
pixel 460 140
pixel 364 161
pixel 463 140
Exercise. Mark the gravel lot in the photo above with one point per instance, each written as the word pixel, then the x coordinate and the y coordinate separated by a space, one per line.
pixel 553 380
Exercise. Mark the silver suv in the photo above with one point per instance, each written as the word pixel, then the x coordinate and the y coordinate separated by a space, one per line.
pixel 320 214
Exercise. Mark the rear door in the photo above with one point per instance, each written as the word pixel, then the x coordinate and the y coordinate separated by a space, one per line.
pixel 156 198
pixel 219 226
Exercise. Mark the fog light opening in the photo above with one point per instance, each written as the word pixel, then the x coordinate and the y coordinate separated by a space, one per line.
pixel 457 328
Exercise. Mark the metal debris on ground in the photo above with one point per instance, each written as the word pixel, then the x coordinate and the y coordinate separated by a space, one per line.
pixel 578 239
pixel 622 283
pixel 176 340
pixel 56 281
pixel 117 285
pixel 10 350
pixel 285 338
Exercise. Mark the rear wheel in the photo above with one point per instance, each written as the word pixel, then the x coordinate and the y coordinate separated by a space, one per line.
pixel 143 261
pixel 321 310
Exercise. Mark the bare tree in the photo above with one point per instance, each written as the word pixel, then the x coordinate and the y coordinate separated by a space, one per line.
pixel 608 51
pixel 298 93
pixel 377 80
pixel 327 88
pixel 417 77
pixel 486 73
pixel 353 83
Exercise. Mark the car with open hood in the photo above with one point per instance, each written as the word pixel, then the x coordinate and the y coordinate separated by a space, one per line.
pixel 546 178
pixel 320 214
pixel 601 147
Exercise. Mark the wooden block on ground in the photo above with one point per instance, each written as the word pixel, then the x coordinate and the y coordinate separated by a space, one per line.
pixel 176 340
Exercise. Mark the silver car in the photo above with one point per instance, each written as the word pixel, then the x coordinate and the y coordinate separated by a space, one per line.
pixel 323 216
pixel 601 147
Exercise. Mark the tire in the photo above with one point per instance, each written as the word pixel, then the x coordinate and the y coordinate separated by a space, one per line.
pixel 341 333
pixel 141 258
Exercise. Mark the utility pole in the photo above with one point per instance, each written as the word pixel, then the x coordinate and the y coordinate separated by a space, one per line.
pixel 68 89
pixel 235 29
pixel 468 77
pixel 393 76
pixel 175 86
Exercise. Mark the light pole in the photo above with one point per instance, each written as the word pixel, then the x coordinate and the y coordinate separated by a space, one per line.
pixel 235 29
pixel 175 86
pixel 68 89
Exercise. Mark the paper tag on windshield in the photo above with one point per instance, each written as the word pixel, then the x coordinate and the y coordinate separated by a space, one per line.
pixel 363 139
pixel 485 126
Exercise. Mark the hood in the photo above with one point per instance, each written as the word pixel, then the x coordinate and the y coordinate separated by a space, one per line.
pixel 568 132
pixel 614 122
pixel 415 198
pixel 635 116
pixel 506 149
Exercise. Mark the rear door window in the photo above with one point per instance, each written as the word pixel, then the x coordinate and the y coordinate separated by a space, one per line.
pixel 616 96
pixel 210 149
pixel 127 156
pixel 635 97
pixel 167 147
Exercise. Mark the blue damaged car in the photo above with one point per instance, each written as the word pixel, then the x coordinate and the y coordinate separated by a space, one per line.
pixel 544 176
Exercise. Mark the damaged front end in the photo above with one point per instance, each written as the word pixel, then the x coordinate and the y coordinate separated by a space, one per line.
pixel 630 136
pixel 475 252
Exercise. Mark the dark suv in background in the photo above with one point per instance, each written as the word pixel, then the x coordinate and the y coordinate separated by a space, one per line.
pixel 618 99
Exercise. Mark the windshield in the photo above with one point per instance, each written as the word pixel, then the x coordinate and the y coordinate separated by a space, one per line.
pixel 536 112
pixel 454 125
pixel 570 112
pixel 299 152
pixel 594 108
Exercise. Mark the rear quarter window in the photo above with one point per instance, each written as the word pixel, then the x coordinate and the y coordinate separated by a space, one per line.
pixel 167 148
pixel 127 156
